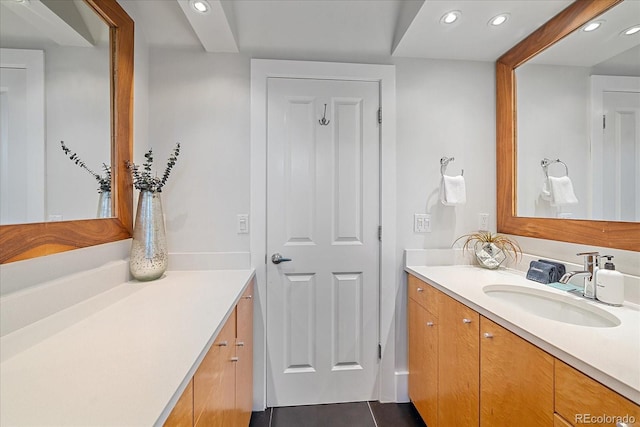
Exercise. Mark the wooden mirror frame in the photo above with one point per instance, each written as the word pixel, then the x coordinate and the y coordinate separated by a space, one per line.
pixel 24 241
pixel 610 234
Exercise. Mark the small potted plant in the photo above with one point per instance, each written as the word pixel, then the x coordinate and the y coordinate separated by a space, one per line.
pixel 490 249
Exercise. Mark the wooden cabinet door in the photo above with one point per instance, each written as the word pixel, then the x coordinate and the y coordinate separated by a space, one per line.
pixel 516 380
pixel 582 400
pixel 458 364
pixel 423 361
pixel 210 399
pixel 244 354
pixel 429 354
pixel 416 316
pixel 226 394
pixel 182 413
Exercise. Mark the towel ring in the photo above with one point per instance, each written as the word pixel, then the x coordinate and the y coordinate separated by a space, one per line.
pixel 545 163
pixel 444 162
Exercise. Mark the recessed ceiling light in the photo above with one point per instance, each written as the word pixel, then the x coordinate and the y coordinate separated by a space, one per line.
pixel 200 6
pixel 631 30
pixel 592 26
pixel 499 19
pixel 450 17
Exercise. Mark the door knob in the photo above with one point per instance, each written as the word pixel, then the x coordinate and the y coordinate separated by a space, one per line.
pixel 277 258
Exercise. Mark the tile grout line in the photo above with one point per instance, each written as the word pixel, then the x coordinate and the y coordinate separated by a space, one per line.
pixel 270 416
pixel 375 423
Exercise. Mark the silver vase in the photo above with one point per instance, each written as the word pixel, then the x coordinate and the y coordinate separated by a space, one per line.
pixel 104 205
pixel 149 258
pixel 489 255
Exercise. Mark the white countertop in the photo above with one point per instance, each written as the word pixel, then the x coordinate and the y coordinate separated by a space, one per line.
pixel 611 355
pixel 121 358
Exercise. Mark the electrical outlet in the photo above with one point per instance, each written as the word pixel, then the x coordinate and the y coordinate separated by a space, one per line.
pixel 422 223
pixel 483 222
pixel 243 224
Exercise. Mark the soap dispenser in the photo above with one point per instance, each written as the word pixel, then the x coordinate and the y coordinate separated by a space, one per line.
pixel 610 284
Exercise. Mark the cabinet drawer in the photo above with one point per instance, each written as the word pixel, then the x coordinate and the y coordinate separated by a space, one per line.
pixel 582 400
pixel 423 294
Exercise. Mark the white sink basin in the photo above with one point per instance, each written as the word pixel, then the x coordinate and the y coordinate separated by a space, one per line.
pixel 553 306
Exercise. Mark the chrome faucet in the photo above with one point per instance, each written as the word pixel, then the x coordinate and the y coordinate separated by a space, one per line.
pixel 590 274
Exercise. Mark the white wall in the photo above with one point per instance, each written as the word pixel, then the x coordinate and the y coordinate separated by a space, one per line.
pixel 202 101
pixel 445 108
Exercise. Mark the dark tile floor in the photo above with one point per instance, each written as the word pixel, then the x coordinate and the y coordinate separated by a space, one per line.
pixel 357 414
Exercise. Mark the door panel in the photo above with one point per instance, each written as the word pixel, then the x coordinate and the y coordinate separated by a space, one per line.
pixel 323 213
pixel 621 156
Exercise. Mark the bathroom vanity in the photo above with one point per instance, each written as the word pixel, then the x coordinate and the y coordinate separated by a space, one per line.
pixel 484 350
pixel 137 354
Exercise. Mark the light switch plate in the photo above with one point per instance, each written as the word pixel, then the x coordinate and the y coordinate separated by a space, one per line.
pixel 243 224
pixel 422 223
pixel 483 222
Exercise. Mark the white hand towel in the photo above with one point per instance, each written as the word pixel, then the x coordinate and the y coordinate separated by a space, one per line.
pixel 545 194
pixel 453 191
pixel 562 191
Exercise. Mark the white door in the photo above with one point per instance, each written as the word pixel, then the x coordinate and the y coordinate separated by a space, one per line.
pixel 621 156
pixel 323 214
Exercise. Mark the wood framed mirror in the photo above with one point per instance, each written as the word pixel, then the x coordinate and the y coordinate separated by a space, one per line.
pixel 24 241
pixel 610 234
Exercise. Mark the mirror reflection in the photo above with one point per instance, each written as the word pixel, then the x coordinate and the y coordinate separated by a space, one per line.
pixel 578 124
pixel 55 79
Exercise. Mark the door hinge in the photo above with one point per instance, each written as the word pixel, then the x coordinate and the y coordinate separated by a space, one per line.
pixel 604 121
pixel 380 115
pixel 379 351
pixel 380 233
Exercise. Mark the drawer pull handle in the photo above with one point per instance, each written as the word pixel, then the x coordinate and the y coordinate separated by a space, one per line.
pixel 223 344
pixel 420 290
pixel 234 359
pixel 429 323
pixel 621 424
pixel 466 320
pixel 488 335
pixel 248 297
pixel 240 344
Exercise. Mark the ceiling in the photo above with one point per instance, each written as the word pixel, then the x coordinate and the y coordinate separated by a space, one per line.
pixel 328 30
pixel 353 30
